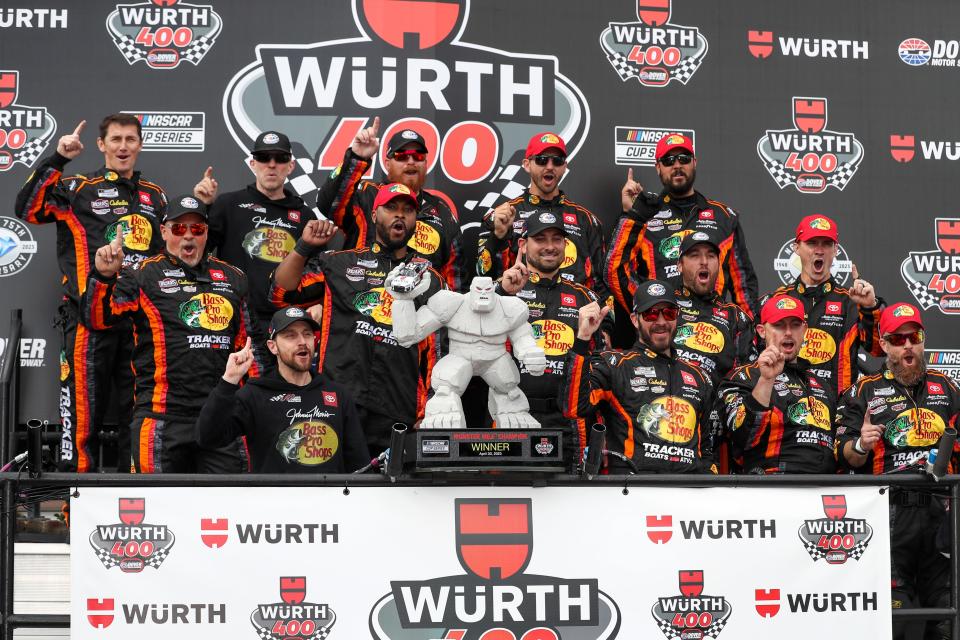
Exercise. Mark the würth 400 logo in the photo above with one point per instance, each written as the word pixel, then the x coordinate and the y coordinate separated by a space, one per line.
pixel 164 33
pixel 836 537
pixel 294 617
pixel 933 277
pixel 654 50
pixel 691 615
pixel 809 156
pixel 25 132
pixel 495 599
pixel 132 544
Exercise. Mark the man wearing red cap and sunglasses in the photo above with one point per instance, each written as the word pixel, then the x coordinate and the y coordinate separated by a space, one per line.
pixel 839 320
pixel 888 422
pixel 646 242
pixel 655 406
pixel 778 416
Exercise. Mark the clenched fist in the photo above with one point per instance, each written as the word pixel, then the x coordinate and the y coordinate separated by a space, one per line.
pixel 502 218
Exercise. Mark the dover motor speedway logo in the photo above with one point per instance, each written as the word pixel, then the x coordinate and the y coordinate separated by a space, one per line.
pixel 691 615
pixel 485 103
pixel 836 537
pixel 788 267
pixel 25 132
pixel 809 156
pixel 495 599
pixel 295 617
pixel 933 277
pixel 164 33
pixel 131 543
pixel 654 50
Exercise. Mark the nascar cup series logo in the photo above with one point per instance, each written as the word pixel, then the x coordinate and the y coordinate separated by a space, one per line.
pixel 836 537
pixel 25 132
pixel 495 597
pixel 691 615
pixel 933 277
pixel 132 544
pixel 788 267
pixel 809 156
pixel 484 103
pixel 654 50
pixel 207 311
pixel 164 33
pixel 294 617
pixel 17 246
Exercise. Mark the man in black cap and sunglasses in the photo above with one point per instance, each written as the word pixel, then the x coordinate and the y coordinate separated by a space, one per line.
pixel 656 407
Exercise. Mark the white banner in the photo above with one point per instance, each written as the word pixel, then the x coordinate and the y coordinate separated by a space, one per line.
pixel 479 563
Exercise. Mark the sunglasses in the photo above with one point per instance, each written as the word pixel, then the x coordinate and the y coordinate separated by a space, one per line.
pixel 682 158
pixel 265 158
pixel 900 339
pixel 542 160
pixel 180 228
pixel 409 154
pixel 669 314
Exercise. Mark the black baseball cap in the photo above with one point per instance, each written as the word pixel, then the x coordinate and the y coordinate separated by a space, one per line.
pixel 182 205
pixel 272 141
pixel 404 137
pixel 651 293
pixel 286 317
pixel 699 237
pixel 543 220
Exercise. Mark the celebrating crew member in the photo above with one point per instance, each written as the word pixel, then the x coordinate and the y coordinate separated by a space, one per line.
pixel 357 345
pixel 90 210
pixel 655 406
pixel 839 321
pixel 189 311
pixel 646 242
pixel 779 416
pixel 890 421
pixel 256 227
pixel 294 420
pixel 348 200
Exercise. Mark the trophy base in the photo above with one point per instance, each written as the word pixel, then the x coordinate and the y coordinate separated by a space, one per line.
pixel 530 450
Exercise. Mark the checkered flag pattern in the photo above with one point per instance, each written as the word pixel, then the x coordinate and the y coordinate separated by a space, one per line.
pixel 305 180
pixel 627 69
pixel 842 174
pixel 779 173
pixel 817 553
pixel 672 632
pixel 155 560
pixel 193 53
pixel 923 296
pixel 29 153
pixel 320 634
pixel 131 52
pixel 624 68
pixel 197 49
pixel 508 183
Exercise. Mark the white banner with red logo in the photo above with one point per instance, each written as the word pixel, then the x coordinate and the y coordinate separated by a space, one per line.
pixel 479 563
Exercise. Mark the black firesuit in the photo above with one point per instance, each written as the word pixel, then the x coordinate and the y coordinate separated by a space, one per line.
pixel 714 335
pixel 186 322
pixel 288 428
pixel 87 210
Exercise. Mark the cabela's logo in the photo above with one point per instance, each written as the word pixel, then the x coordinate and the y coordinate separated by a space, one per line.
pixel 787 264
pixel 294 617
pixel 933 277
pixel 131 543
pixel 25 132
pixel 691 615
pixel 655 51
pixel 494 539
pixel 809 156
pixel 484 103
pixel 164 33
pixel 836 537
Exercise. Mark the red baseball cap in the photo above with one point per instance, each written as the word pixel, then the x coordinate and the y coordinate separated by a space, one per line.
pixel 543 141
pixel 816 226
pixel 897 315
pixel 673 141
pixel 392 191
pixel 783 306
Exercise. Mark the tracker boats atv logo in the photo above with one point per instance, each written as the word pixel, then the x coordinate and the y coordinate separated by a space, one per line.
pixel 485 103
pixel 788 267
pixel 294 617
pixel 933 277
pixel 655 51
pixel 164 33
pixel 691 615
pixel 25 132
pixel 836 537
pixel 131 543
pixel 495 597
pixel 809 156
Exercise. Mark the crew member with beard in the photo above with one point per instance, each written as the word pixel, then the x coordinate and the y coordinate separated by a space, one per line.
pixel 646 242
pixel 189 311
pixel 656 407
pixel 294 420
pixel 778 415
pixel 839 320
pixel 348 200
pixel 890 421
pixel 357 346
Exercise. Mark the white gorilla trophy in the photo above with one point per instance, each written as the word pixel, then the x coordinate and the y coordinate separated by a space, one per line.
pixel 478 324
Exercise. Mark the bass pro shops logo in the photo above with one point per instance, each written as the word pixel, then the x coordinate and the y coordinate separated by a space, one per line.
pixel 25 132
pixel 654 50
pixel 164 33
pixel 691 615
pixel 132 544
pixel 809 156
pixel 294 617
pixel 933 277
pixel 836 537
pixel 495 599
